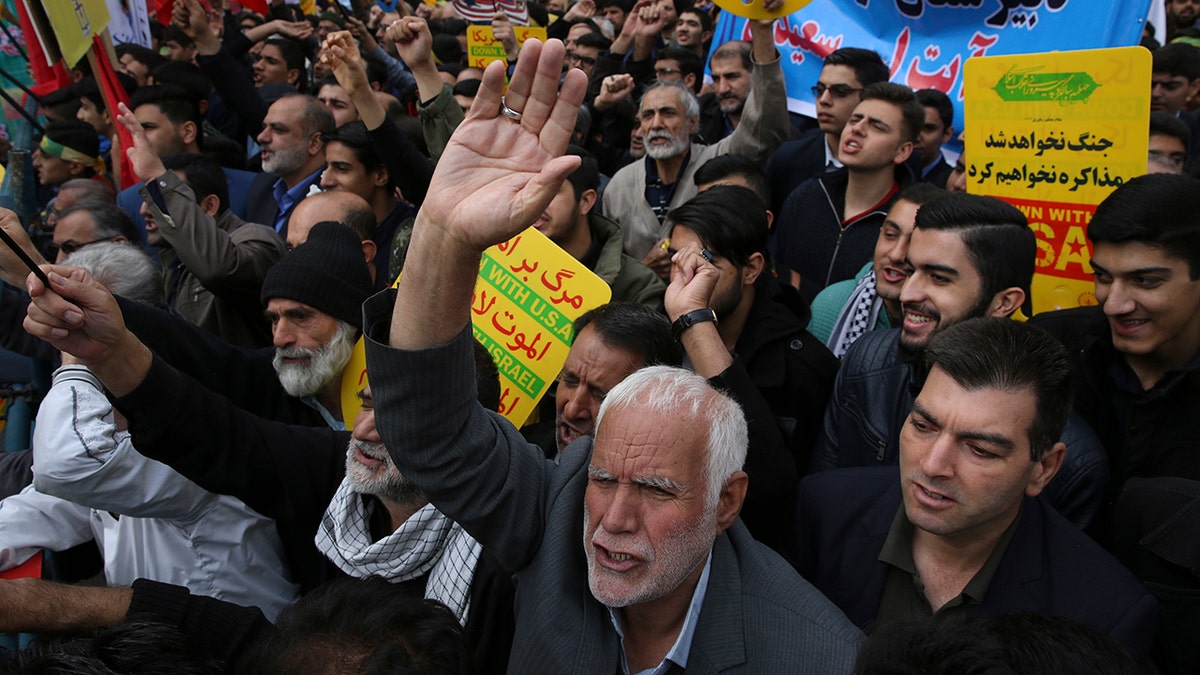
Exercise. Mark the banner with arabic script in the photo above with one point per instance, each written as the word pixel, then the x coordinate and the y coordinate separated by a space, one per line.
pixel 926 42
pixel 1054 134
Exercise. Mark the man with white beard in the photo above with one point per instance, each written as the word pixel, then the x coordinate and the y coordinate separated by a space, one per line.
pixel 340 506
pixel 640 194
pixel 312 298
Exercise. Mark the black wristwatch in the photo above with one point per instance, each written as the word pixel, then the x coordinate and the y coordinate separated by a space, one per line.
pixel 686 321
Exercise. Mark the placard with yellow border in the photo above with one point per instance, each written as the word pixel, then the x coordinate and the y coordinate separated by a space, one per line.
pixel 483 47
pixel 523 311
pixel 1054 134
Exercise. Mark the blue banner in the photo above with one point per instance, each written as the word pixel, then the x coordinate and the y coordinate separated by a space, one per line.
pixel 926 42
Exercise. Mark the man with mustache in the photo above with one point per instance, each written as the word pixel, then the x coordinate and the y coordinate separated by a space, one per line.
pixel 964 532
pixel 640 194
pixel 970 256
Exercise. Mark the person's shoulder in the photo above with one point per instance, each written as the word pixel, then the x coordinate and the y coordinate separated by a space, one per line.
pixel 875 350
pixel 860 484
pixel 1071 326
pixel 787 621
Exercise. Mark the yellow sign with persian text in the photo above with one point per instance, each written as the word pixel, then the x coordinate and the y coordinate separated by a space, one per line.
pixel 1054 134
pixel 523 311
pixel 74 22
pixel 483 47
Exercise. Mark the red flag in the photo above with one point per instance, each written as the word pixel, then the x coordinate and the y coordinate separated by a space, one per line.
pixel 46 78
pixel 114 93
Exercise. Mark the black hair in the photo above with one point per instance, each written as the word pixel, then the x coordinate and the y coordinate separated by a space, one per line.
pixel 354 135
pixel 364 626
pixel 999 353
pixel 689 64
pixel 293 56
pixel 867 65
pixel 706 21
pixel 596 40
pixel 88 88
pixel 186 76
pixel 921 193
pixel 912 113
pixel 733 165
pixel 932 98
pixel 730 220
pixel 202 174
pixel 141 54
pixel 62 102
pixel 76 135
pixel 1159 210
pixel 1166 124
pixel 467 88
pixel 174 103
pixel 587 175
pixel 995 233
pixel 634 328
pixel 174 33
pixel 1177 58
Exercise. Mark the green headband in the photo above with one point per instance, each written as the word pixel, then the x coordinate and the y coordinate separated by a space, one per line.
pixel 50 146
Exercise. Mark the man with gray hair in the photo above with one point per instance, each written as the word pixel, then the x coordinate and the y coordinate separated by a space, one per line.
pixel 646 516
pixel 639 195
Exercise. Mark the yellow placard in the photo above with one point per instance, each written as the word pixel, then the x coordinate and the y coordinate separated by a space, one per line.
pixel 1054 134
pixel 526 300
pixel 74 22
pixel 483 47
pixel 753 9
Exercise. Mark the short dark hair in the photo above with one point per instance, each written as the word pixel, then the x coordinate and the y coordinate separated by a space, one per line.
pixel 734 49
pixel 730 220
pixel 315 117
pixel 362 220
pixel 995 233
pixel 467 88
pixel 109 220
pixel 1166 124
pixel 634 328
pixel 354 135
pixel 174 33
pixel 202 174
pixel 291 51
pixel 141 54
pixel 62 102
pixel 734 165
pixel 1177 58
pixel 88 88
pixel 594 39
pixel 587 175
pixel 364 625
pixel 999 353
pixel 174 103
pixel 186 76
pixel 1159 210
pixel 706 21
pixel 921 193
pixel 932 98
pixel 867 65
pixel 912 113
pixel 689 64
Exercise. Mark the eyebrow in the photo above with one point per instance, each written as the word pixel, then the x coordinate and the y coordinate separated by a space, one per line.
pixel 1138 271
pixel 658 482
pixel 998 440
pixel 935 267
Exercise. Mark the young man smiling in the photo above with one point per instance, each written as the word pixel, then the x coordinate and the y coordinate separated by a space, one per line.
pixel 1137 354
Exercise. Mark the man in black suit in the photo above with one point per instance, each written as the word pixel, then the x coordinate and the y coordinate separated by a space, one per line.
pixel 963 532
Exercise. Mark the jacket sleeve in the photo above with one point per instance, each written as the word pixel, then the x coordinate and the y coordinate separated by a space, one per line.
pixel 472 464
pixel 825 450
pixel 407 167
pixel 764 125
pixel 398 74
pixel 31 521
pixel 269 466
pixel 224 262
pixel 439 116
pixel 80 456
pixel 769 466
pixel 236 87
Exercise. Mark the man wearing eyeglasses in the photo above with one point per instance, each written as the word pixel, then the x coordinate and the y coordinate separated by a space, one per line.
pixel 837 91
pixel 91 222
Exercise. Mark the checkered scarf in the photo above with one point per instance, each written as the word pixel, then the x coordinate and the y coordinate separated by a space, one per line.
pixel 858 315
pixel 427 542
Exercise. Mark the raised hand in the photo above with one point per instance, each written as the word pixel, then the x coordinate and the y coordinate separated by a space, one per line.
pixel 497 175
pixel 340 53
pixel 189 16
pixel 12 269
pixel 693 280
pixel 414 42
pixel 146 163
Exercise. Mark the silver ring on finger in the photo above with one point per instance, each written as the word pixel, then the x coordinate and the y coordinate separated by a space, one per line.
pixel 509 112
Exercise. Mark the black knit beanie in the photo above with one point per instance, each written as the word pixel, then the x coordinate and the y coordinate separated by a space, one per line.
pixel 327 272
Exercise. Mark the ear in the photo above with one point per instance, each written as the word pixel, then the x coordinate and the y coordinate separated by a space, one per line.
pixel 586 201
pixel 76 168
pixel 293 77
pixel 203 106
pixel 369 249
pixel 1006 302
pixel 693 126
pixel 188 132
pixel 903 153
pixel 316 144
pixel 380 177
pixel 947 135
pixel 729 503
pixel 770 220
pixel 1193 88
pixel 707 35
pixel 753 268
pixel 211 205
pixel 690 81
pixel 1045 468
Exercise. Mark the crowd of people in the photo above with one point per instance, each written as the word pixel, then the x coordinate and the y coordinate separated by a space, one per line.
pixel 811 432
